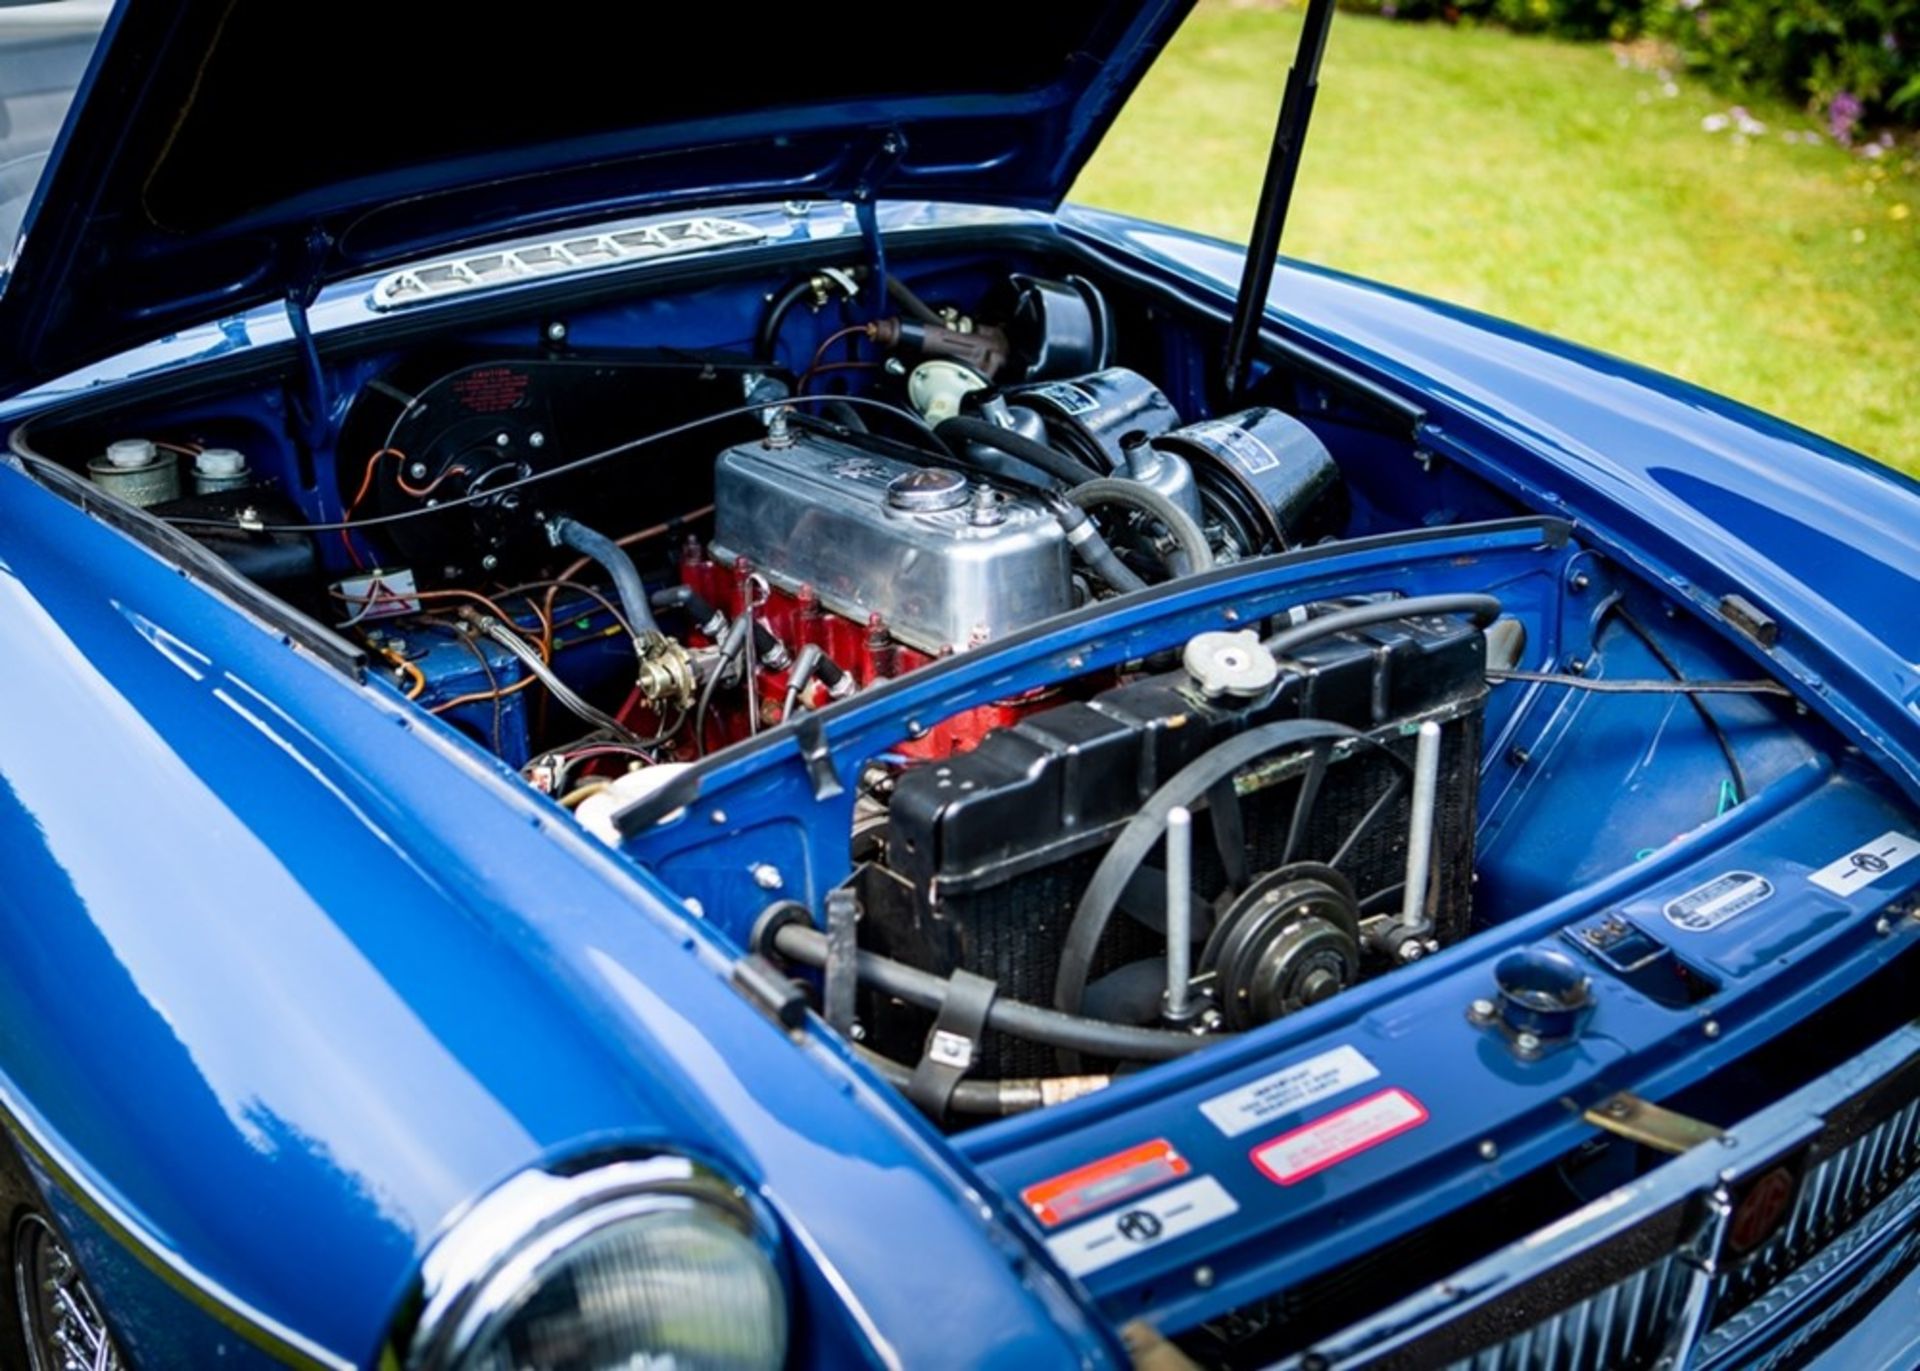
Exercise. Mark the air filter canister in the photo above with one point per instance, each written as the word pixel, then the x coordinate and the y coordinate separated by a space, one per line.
pixel 1268 483
pixel 1088 415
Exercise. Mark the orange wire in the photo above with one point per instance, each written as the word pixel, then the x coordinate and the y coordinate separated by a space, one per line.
pixel 353 506
pixel 482 695
pixel 413 672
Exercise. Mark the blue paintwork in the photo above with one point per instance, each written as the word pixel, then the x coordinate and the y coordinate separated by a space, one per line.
pixel 347 976
pixel 1798 952
pixel 342 971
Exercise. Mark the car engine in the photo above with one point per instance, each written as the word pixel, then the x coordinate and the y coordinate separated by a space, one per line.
pixel 1137 858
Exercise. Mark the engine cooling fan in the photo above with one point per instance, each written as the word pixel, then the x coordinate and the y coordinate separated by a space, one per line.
pixel 1271 907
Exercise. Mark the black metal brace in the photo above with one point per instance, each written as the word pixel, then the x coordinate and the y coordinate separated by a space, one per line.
pixel 841 974
pixel 953 1043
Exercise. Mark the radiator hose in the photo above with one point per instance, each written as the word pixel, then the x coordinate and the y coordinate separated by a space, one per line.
pixel 1137 495
pixel 571 533
pixel 1482 609
pixel 1067 1032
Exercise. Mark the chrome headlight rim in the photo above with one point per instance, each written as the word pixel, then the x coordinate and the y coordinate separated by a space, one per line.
pixel 478 1267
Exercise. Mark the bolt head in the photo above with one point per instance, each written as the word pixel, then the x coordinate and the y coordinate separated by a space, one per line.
pixel 1883 926
pixel 536 439
pixel 489 562
pixel 556 332
pixel 1711 1028
pixel 502 438
pixel 1481 1010
pixel 1580 581
pixel 767 876
pixel 1489 1149
pixel 1203 1277
pixel 417 472
pixel 1528 1043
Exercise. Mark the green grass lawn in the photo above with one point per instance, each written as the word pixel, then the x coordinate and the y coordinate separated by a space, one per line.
pixel 1544 182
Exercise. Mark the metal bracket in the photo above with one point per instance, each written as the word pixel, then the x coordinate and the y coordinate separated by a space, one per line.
pixel 811 738
pixel 769 990
pixel 841 973
pixel 1628 1116
pixel 310 406
pixel 887 155
pixel 954 1042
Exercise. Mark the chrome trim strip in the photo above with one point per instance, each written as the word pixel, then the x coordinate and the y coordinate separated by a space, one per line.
pixel 593 250
pixel 205 1293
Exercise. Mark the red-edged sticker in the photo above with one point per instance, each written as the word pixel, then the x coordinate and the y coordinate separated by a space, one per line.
pixel 1086 1188
pixel 1333 1138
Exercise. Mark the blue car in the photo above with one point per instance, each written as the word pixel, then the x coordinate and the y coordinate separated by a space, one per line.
pixel 659 715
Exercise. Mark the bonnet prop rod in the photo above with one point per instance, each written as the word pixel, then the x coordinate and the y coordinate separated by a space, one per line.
pixel 1276 193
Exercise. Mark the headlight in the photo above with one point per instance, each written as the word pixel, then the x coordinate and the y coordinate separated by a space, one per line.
pixel 640 1266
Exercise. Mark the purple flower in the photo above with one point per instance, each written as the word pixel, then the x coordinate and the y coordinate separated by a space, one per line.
pixel 1843 115
pixel 1890 41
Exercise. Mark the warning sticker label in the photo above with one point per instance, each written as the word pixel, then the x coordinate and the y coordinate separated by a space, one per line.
pixel 1288 1090
pixel 1098 1184
pixel 1152 1221
pixel 1328 1141
pixel 1866 864
pixel 1071 398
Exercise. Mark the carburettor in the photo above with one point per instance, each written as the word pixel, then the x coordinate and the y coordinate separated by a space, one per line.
pixel 947 562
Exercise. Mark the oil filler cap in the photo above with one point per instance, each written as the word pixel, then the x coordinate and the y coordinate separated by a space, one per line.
pixel 1235 664
pixel 928 490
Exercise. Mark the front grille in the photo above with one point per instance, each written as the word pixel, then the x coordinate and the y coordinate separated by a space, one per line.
pixel 1834 1198
pixel 1587 1294
pixel 1628 1324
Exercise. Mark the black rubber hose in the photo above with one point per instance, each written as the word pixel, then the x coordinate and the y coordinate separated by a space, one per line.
pixel 1017 1019
pixel 991 1098
pixel 1482 609
pixel 1093 549
pixel 706 618
pixel 768 339
pixel 964 428
pixel 609 554
pixel 844 415
pixel 730 647
pixel 903 296
pixel 1136 495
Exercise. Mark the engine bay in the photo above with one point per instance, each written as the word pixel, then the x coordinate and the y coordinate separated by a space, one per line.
pixel 611 547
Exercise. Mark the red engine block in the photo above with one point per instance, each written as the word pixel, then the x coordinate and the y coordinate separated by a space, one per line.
pixel 866 652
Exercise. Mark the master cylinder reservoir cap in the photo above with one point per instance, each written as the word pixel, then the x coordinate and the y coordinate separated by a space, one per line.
pixel 131 452
pixel 1235 664
pixel 1544 997
pixel 219 461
